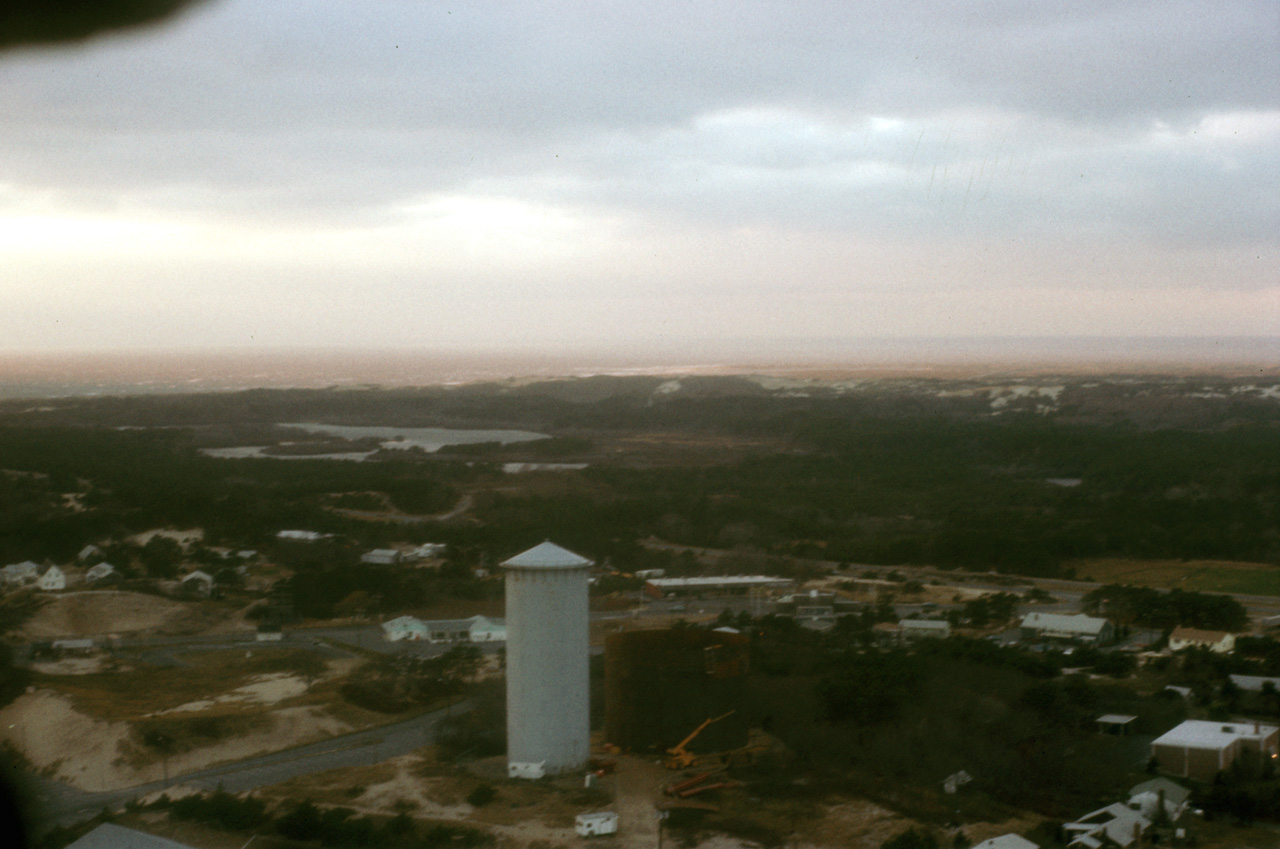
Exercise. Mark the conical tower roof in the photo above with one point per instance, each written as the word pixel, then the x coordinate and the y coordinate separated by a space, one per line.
pixel 547 555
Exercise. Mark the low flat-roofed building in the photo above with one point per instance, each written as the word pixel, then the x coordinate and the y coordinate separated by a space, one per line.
pixel 1254 683
pixel 1219 642
pixel 924 629
pixel 1059 626
pixel 381 557
pixel 1115 723
pixel 302 536
pixel 74 646
pixel 659 587
pixel 1200 748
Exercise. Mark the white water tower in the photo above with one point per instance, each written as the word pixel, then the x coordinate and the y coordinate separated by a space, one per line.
pixel 548 723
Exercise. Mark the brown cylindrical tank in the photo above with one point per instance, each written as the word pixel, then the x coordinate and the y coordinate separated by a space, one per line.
pixel 661 685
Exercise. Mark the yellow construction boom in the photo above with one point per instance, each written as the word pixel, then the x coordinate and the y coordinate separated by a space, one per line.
pixel 678 757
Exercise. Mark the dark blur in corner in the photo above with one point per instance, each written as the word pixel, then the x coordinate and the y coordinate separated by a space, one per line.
pixel 49 22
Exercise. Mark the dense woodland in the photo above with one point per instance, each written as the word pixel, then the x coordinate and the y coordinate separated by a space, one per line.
pixel 894 474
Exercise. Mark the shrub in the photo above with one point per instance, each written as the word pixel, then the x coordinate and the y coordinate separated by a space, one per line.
pixel 481 796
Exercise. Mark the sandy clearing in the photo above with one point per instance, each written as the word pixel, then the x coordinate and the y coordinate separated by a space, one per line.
pixel 71 666
pixel 181 537
pixel 95 612
pixel 94 754
pixel 855 823
pixel 54 737
pixel 264 690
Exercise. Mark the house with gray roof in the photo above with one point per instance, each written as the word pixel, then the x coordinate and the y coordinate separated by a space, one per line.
pixel 18 574
pixel 1148 797
pixel 98 573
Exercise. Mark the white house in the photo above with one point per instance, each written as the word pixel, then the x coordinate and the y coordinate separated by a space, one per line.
pixel 26 572
pixel 477 629
pixel 590 825
pixel 381 557
pixel 87 552
pixel 1116 824
pixel 97 573
pixel 1146 798
pixel 1218 642
pixel 427 550
pixel 53 579
pixel 405 628
pixel 198 582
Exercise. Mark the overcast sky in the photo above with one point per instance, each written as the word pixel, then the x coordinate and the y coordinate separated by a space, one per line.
pixel 650 175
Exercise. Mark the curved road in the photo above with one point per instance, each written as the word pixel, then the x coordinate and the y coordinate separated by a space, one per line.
pixel 54 803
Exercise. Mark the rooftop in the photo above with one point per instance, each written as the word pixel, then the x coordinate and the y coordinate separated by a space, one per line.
pixel 547 555
pixel 1204 734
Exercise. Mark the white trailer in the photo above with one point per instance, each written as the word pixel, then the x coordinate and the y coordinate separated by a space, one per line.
pixel 593 825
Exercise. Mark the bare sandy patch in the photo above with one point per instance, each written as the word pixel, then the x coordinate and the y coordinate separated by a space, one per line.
pixel 854 823
pixel 71 666
pixel 59 740
pixel 180 537
pixel 95 612
pixel 95 754
pixel 264 690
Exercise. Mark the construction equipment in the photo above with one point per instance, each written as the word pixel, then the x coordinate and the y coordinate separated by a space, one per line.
pixel 678 757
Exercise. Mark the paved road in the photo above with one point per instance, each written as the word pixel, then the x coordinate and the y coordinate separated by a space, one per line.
pixel 54 803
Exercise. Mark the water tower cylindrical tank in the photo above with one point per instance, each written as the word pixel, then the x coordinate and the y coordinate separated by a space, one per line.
pixel 548 718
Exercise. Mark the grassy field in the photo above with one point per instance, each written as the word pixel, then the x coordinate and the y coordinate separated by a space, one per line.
pixel 1215 576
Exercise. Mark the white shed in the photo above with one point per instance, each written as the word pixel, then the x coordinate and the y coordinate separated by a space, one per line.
pixel 601 822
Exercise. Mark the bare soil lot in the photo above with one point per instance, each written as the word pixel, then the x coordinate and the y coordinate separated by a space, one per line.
pixel 117 727
pixel 97 612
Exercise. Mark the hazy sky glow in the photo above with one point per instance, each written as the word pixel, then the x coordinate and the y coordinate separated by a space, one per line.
pixel 393 173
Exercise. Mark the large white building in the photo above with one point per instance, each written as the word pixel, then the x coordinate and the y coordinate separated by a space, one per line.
pixel 1200 748
pixel 1059 626
pixel 548 724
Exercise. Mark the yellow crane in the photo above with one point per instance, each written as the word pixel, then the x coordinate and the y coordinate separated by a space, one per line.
pixel 678 757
